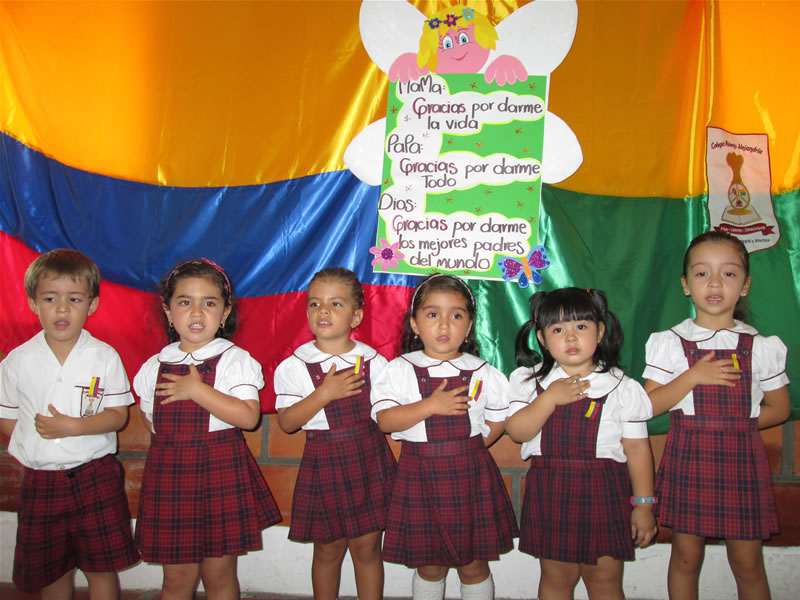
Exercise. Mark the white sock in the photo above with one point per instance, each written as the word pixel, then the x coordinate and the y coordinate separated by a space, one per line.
pixel 421 589
pixel 478 591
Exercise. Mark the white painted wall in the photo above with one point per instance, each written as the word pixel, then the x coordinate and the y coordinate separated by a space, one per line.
pixel 283 567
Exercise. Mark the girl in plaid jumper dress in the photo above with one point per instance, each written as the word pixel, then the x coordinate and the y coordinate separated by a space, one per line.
pixel 449 506
pixel 712 373
pixel 345 477
pixel 581 422
pixel 204 500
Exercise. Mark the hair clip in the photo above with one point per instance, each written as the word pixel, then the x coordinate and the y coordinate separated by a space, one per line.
pixel 588 290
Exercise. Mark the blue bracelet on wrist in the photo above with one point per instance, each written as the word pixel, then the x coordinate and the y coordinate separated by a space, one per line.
pixel 643 500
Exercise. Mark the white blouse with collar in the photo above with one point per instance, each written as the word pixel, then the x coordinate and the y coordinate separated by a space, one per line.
pixel 238 374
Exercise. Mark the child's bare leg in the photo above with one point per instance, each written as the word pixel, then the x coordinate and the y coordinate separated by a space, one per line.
pixel 61 588
pixel 685 562
pixel 747 563
pixel 103 585
pixel 604 580
pixel 326 569
pixel 365 551
pixel 474 572
pixel 558 579
pixel 180 581
pixel 219 577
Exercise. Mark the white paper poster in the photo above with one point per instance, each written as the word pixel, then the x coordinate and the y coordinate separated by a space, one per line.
pixel 739 187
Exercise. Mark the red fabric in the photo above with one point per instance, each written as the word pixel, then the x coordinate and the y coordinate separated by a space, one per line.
pixel 449 506
pixel 345 412
pixel 74 518
pixel 576 510
pixel 569 433
pixel 270 327
pixel 441 427
pixel 344 484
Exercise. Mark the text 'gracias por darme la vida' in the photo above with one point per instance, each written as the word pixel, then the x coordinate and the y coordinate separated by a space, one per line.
pixel 421 166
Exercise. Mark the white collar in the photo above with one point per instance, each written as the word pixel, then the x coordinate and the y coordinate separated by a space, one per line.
pixel 466 362
pixel 691 331
pixel 600 384
pixel 309 353
pixel 173 354
pixel 82 340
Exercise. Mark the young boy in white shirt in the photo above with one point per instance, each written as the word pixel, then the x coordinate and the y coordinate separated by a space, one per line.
pixel 63 397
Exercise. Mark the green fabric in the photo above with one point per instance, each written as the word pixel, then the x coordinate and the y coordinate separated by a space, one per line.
pixel 632 249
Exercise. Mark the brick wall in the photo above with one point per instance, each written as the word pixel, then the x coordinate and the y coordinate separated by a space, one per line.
pixel 278 454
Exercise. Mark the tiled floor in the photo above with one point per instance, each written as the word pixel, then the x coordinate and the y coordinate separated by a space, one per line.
pixel 10 592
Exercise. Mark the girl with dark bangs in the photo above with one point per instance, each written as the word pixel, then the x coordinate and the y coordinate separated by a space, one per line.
pixel 449 506
pixel 580 419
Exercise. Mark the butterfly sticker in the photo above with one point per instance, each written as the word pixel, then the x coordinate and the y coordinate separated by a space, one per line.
pixel 524 269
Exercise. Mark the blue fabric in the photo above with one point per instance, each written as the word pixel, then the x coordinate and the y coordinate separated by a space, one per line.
pixel 270 238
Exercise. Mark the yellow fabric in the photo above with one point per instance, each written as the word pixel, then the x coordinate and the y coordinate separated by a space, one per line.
pixel 237 93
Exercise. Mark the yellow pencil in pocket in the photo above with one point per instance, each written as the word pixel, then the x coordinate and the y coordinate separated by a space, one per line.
pixel 735 362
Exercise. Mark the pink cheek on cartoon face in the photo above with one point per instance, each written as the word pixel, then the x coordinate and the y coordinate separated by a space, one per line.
pixel 467 58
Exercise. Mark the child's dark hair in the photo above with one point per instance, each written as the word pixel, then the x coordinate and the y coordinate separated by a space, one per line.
pixel 741 309
pixel 439 282
pixel 63 262
pixel 347 277
pixel 568 304
pixel 201 267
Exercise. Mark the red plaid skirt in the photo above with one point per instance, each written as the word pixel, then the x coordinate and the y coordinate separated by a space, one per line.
pixel 576 510
pixel 449 506
pixel 714 479
pixel 343 486
pixel 202 497
pixel 70 519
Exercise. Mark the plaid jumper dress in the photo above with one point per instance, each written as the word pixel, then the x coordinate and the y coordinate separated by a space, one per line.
pixel 346 474
pixel 449 505
pixel 203 494
pixel 577 506
pixel 714 478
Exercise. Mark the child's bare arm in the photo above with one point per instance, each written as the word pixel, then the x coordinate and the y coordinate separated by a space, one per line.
pixel 705 371
pixel 243 414
pixel 525 424
pixel 440 402
pixel 775 409
pixel 58 425
pixel 640 469
pixel 334 386
pixel 7 426
pixel 496 429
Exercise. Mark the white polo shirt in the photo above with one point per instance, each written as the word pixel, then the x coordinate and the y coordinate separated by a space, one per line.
pixel 91 379
pixel 666 360
pixel 293 383
pixel 238 374
pixel 397 385
pixel 624 415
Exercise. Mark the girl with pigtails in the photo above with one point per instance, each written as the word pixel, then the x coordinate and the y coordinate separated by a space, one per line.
pixel 581 422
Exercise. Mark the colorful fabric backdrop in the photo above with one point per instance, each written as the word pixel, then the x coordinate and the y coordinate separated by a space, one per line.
pixel 144 134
